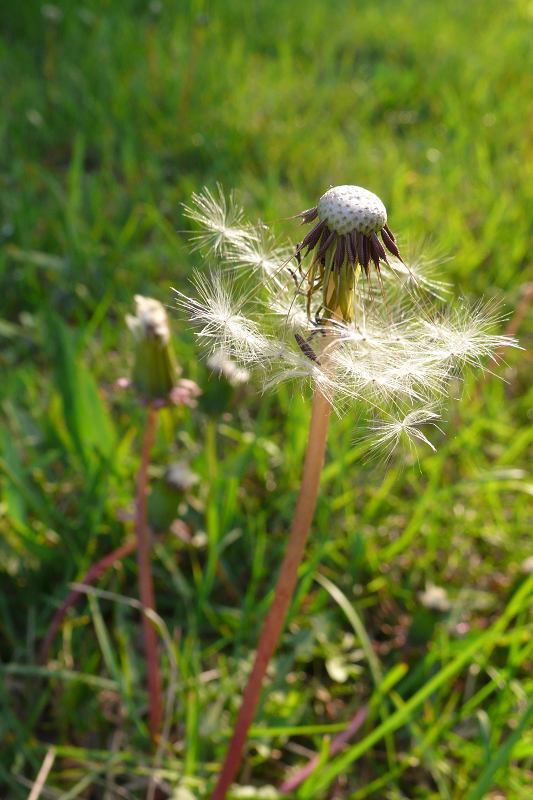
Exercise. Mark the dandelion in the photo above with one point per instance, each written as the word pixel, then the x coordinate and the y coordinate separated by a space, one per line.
pixel 156 377
pixel 312 320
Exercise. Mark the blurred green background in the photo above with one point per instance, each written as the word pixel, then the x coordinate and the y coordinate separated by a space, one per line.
pixel 112 114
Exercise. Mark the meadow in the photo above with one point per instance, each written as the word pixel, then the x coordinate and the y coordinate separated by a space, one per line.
pixel 113 114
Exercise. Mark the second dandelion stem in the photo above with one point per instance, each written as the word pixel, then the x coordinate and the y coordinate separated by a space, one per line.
pixel 284 591
pixel 146 586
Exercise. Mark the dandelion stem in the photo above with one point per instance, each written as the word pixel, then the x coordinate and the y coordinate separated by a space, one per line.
pixel 284 591
pixel 146 586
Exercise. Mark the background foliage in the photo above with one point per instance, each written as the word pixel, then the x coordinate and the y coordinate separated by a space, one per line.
pixel 113 113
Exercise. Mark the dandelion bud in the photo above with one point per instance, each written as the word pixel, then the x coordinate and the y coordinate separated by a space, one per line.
pixel 155 371
pixel 344 241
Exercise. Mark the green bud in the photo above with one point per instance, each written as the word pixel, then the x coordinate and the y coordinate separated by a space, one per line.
pixel 155 371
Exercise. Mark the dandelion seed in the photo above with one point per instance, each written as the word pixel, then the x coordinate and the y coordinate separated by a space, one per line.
pixel 377 331
pixel 418 273
pixel 220 219
pixel 462 335
pixel 421 374
pixel 218 314
pixel 291 313
pixel 385 435
pixel 292 365
pixel 370 377
pixel 259 254
pixel 282 301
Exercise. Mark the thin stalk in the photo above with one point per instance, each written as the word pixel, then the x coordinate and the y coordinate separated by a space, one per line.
pixel 146 586
pixel 73 596
pixel 515 321
pixel 284 591
pixel 335 747
pixel 40 780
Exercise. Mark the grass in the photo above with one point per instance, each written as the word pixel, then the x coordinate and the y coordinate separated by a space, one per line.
pixel 113 114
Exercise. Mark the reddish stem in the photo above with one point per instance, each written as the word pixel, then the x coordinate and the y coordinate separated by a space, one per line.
pixel 336 746
pixel 286 584
pixel 514 324
pixel 521 311
pixel 146 586
pixel 73 596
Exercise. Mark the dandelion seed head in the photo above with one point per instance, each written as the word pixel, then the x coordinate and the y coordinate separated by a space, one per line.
pixel 344 242
pixel 313 320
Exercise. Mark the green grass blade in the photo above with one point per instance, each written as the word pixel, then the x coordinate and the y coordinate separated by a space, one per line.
pixel 500 758
pixel 402 716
